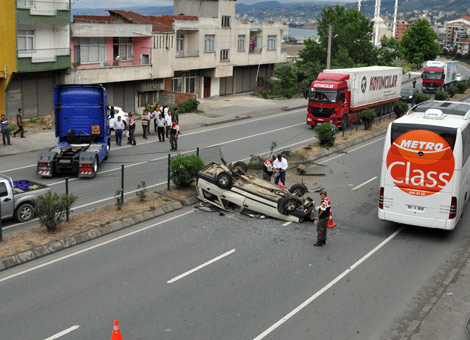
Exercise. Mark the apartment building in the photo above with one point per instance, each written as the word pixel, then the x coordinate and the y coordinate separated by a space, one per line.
pixel 199 52
pixel 458 33
pixel 41 54
pixel 401 27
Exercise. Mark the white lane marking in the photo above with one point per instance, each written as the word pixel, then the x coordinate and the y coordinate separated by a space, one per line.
pixel 60 334
pixel 93 247
pixel 328 286
pixel 286 224
pixel 221 126
pixel 362 184
pixel 352 150
pixel 201 266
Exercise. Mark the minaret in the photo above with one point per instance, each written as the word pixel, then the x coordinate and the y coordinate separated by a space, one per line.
pixel 395 19
pixel 376 16
pixel 359 5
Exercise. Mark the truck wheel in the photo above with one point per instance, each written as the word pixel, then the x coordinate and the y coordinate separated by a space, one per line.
pixel 224 180
pixel 239 168
pixel 344 122
pixel 287 205
pixel 108 149
pixel 298 190
pixel 25 212
pixel 95 166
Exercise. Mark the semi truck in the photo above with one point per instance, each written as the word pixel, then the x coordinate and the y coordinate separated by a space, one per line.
pixel 438 75
pixel 349 91
pixel 82 129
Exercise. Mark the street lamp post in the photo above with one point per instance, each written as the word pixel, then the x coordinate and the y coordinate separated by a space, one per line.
pixel 328 57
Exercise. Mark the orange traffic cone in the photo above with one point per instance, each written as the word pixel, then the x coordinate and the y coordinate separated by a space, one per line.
pixel 331 224
pixel 116 331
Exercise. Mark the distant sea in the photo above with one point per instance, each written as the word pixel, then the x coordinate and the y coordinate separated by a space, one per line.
pixel 303 33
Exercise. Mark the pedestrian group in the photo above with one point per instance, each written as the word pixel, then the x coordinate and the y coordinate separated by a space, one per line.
pixel 5 125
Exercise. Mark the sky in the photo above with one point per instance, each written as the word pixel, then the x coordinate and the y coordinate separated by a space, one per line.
pixel 154 3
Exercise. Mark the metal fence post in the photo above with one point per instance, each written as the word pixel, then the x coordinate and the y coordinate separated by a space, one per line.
pixel 67 212
pixel 197 151
pixel 122 184
pixel 169 164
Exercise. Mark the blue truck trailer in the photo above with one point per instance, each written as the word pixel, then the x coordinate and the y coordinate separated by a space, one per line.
pixel 82 129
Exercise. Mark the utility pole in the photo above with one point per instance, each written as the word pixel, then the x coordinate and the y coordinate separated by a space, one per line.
pixel 328 57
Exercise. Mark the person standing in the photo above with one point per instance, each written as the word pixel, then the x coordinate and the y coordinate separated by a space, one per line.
pixel 268 168
pixel 118 128
pixel 174 115
pixel 19 122
pixel 149 125
pixel 414 82
pixel 131 127
pixel 145 123
pixel 155 115
pixel 280 165
pixel 174 130
pixel 322 218
pixel 160 128
pixel 168 122
pixel 5 130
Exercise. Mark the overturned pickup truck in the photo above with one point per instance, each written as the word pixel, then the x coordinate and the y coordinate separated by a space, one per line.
pixel 230 188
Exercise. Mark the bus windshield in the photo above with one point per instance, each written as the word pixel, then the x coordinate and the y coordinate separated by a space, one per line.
pixel 449 134
pixel 432 76
pixel 323 96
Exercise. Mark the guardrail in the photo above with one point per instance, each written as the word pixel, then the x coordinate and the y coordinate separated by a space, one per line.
pixel 44 54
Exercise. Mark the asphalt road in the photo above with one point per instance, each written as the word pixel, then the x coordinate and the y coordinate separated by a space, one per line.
pixel 201 275
pixel 148 161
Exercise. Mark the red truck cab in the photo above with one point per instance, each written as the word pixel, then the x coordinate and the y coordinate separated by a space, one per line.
pixel 433 79
pixel 328 94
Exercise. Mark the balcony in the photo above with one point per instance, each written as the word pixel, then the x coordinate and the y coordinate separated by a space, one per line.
pixel 43 7
pixel 110 64
pixel 255 50
pixel 44 55
pixel 109 71
pixel 184 54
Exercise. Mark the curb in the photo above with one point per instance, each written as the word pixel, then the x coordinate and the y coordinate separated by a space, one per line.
pixel 91 234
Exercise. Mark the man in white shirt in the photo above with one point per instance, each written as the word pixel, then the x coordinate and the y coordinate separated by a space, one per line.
pixel 280 165
pixel 168 122
pixel 118 128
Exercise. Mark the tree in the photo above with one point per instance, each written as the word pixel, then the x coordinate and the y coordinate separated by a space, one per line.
pixel 312 62
pixel 352 32
pixel 419 43
pixel 389 51
pixel 286 83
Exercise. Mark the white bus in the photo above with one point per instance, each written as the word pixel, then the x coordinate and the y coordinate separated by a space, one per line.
pixel 425 177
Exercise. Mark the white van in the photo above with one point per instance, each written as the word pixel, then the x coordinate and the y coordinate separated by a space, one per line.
pixel 425 177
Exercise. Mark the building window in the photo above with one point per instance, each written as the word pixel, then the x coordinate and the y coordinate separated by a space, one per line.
pixel 25 39
pixel 209 43
pixel 225 21
pixel 122 48
pixel 89 50
pixel 176 84
pixel 224 54
pixel 180 43
pixel 241 42
pixel 190 81
pixel 271 42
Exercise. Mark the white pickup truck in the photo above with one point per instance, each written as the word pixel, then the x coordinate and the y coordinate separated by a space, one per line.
pixel 16 198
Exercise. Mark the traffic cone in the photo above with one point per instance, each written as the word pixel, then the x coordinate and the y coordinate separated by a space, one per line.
pixel 116 331
pixel 331 224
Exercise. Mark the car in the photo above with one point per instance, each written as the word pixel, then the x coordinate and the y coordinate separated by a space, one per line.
pixel 118 112
pixel 408 95
pixel 230 188
pixel 459 77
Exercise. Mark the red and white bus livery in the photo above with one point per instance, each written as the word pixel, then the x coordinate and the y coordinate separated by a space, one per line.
pixel 425 177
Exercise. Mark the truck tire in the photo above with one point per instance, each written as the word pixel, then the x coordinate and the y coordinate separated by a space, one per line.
pixel 25 212
pixel 224 180
pixel 287 205
pixel 108 149
pixel 95 166
pixel 239 168
pixel 298 190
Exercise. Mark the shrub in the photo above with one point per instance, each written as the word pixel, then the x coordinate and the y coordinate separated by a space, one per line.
pixel 51 209
pixel 462 86
pixel 400 108
pixel 326 133
pixel 141 191
pixel 452 90
pixel 183 169
pixel 441 95
pixel 189 105
pixel 368 116
pixel 421 97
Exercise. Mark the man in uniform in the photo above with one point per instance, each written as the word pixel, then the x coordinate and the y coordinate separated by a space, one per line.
pixel 322 217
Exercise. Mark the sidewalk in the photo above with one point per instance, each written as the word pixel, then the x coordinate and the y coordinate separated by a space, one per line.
pixel 442 317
